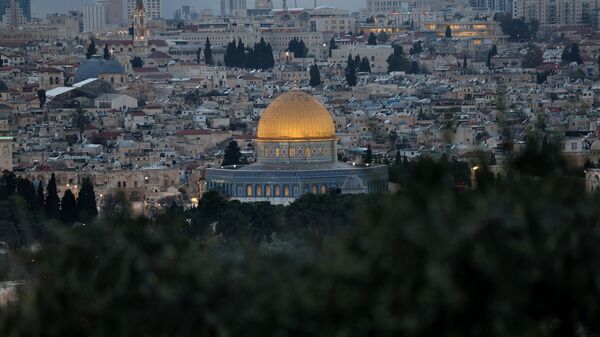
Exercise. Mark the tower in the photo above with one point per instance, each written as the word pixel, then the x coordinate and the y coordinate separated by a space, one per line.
pixel 153 9
pixel 140 30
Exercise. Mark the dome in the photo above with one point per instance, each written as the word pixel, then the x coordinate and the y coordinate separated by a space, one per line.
pixel 296 116
pixel 95 66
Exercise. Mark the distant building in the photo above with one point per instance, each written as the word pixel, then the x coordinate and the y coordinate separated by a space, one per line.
pixel 263 4
pixel 233 7
pixel 16 15
pixel 556 12
pixel 94 17
pixel 114 12
pixel 153 9
pixel 186 13
pixel 383 6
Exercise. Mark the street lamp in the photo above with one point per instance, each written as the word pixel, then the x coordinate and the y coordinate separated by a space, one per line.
pixel 474 177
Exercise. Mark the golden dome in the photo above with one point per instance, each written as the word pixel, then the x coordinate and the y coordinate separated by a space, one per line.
pixel 296 116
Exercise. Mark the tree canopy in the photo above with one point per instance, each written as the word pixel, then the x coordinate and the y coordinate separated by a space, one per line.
pixel 258 57
pixel 517 258
pixel 315 76
pixel 298 47
pixel 91 50
pixel 233 155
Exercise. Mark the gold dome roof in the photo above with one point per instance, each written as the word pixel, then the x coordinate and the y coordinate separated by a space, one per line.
pixel 296 116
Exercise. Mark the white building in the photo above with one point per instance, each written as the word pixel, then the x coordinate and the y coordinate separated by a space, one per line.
pixel 377 55
pixel 264 4
pixel 383 6
pixel 115 101
pixel 233 7
pixel 94 17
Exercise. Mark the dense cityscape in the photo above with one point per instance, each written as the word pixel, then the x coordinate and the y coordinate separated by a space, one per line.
pixel 409 167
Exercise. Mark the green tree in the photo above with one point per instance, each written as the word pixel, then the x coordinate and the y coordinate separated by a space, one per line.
pixel 383 37
pixel 40 196
pixel 332 46
pixel 87 208
pixel 448 33
pixel 68 208
pixel 350 72
pixel 398 61
pixel 534 57
pixel 365 65
pixel 8 185
pixel 372 41
pixel 81 121
pixel 230 54
pixel 91 50
pixel 233 154
pixel 137 62
pixel 106 52
pixel 417 48
pixel 368 155
pixel 52 200
pixel 42 98
pixel 208 56
pixel 198 55
pixel 315 76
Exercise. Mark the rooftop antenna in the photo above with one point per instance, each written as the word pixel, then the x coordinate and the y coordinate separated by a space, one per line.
pixel 284 4
pixel 295 3
pixel 315 3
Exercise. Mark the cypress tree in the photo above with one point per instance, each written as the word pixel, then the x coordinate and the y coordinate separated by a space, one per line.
pixel 372 39
pixel 92 50
pixel 26 191
pixel 40 196
pixel 68 208
pixel 369 155
pixel 332 46
pixel 230 54
pixel 448 32
pixel 365 65
pixel 208 56
pixel 240 54
pixel 232 154
pixel 315 76
pixel 87 209
pixel 351 72
pixel 106 51
pixel 52 200
pixel 198 53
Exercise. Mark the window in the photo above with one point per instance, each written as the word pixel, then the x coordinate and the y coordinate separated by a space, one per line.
pixel 259 191
pixel 249 191
pixel 573 146
pixel 277 191
pixel 286 191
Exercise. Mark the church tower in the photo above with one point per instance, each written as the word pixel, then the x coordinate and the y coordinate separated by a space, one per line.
pixel 140 29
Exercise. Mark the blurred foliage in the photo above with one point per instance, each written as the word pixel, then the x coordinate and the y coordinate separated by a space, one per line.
pixel 516 258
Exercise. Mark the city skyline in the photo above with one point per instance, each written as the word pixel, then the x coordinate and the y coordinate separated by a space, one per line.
pixel 43 7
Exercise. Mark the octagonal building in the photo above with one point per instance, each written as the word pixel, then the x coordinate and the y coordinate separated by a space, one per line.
pixel 296 154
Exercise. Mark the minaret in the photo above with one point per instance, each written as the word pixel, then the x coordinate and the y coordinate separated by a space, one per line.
pixel 140 30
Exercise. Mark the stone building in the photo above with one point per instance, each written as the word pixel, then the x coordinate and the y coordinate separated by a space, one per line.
pixel 296 155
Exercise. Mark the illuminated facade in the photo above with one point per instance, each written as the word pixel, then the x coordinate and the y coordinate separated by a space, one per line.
pixel 476 32
pixel 296 154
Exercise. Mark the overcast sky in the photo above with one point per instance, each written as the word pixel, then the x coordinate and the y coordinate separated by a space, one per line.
pixel 42 7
